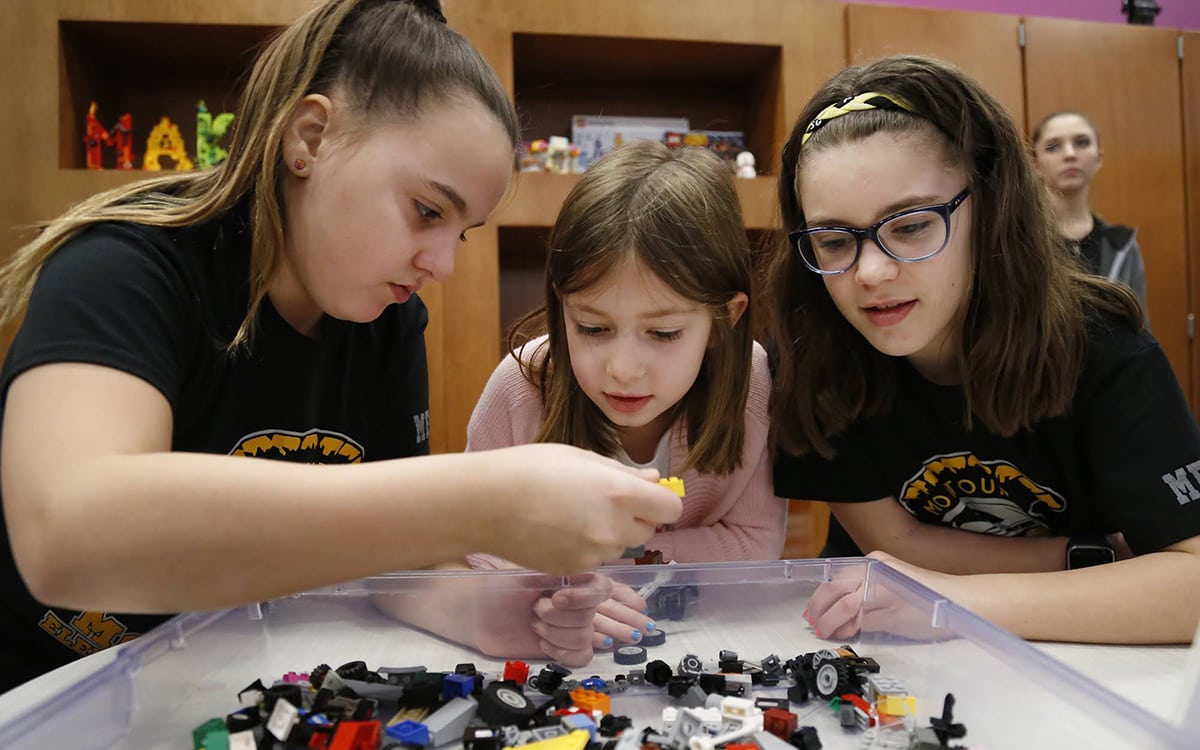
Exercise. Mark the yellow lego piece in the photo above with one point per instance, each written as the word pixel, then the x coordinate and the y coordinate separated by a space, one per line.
pixel 577 740
pixel 896 705
pixel 674 484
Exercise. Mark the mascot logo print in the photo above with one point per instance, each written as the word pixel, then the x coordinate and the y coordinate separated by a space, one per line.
pixel 313 447
pixel 988 497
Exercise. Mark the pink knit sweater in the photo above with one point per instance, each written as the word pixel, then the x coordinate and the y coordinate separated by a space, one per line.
pixel 730 517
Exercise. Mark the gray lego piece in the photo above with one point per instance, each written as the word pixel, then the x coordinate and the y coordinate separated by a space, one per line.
pixel 537 734
pixel 378 691
pixel 695 697
pixel 448 723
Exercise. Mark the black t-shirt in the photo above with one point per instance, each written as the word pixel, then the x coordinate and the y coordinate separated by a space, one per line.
pixel 162 304
pixel 1125 458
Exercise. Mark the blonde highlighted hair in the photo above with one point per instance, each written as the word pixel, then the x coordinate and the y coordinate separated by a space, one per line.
pixel 389 58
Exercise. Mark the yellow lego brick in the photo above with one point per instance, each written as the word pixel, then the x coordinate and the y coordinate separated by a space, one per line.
pixel 674 484
pixel 577 740
pixel 895 705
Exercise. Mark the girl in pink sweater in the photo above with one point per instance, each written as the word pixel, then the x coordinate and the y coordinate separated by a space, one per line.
pixel 643 351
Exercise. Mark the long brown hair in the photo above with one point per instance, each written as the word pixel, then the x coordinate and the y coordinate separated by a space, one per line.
pixel 390 58
pixel 676 212
pixel 1024 321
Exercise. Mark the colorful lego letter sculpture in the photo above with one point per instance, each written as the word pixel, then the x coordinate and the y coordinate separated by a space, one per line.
pixel 209 131
pixel 95 139
pixel 165 140
pixel 122 137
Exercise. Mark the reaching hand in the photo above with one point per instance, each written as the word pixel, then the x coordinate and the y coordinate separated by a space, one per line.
pixel 572 509
pixel 622 618
pixel 514 617
pixel 837 611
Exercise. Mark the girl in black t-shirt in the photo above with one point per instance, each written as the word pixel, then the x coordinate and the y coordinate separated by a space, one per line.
pixel 267 308
pixel 968 399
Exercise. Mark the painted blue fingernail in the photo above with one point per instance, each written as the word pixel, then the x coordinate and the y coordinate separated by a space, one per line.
pixel 608 641
pixel 649 625
pixel 637 635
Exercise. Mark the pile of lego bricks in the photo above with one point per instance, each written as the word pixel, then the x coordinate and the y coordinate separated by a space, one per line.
pixel 711 708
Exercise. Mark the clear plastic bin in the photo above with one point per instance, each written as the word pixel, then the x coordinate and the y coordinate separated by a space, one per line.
pixel 1008 694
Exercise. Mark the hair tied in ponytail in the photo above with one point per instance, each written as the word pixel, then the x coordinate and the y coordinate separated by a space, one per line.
pixel 432 7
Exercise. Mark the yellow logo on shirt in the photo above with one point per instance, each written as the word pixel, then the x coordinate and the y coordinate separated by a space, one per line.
pixel 988 497
pixel 313 447
pixel 87 632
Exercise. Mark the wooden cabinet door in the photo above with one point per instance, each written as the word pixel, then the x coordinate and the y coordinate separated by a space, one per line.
pixel 1127 79
pixel 985 45
pixel 1191 147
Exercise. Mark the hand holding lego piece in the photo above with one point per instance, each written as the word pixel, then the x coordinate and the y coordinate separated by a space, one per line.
pixel 577 510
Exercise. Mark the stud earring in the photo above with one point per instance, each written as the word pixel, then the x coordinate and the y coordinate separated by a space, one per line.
pixel 299 164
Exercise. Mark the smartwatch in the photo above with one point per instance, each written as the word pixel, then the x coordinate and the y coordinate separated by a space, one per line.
pixel 1086 550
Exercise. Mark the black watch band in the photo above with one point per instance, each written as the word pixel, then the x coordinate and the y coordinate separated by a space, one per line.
pixel 1086 550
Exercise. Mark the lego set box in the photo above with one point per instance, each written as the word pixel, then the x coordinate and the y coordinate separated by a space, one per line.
pixel 730 663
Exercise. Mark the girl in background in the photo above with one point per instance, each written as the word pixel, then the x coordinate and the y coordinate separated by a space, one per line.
pixel 1067 154
pixel 971 403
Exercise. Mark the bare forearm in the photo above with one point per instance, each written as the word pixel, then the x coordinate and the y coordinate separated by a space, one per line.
pixel 952 550
pixel 1147 599
pixel 958 551
pixel 174 531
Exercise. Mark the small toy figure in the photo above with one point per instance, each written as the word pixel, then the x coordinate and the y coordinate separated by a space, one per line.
pixel 558 155
pixel 209 131
pixel 745 165
pixel 94 139
pixel 533 156
pixel 122 138
pixel 165 140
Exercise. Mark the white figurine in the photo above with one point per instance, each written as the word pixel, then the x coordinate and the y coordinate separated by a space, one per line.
pixel 745 165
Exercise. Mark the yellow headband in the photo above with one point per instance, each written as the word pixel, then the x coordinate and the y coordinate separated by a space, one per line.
pixel 869 100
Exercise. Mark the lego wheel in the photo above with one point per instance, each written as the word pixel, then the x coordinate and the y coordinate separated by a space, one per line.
pixel 825 654
pixel 832 679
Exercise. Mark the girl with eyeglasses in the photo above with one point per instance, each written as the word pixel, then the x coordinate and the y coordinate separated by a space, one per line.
pixel 977 410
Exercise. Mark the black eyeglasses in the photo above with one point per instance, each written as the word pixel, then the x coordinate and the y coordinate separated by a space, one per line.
pixel 908 236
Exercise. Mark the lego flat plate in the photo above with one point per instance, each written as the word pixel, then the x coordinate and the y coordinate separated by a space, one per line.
pixel 1009 694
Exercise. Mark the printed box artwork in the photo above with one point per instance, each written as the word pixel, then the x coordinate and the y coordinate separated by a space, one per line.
pixel 596 135
pixel 726 144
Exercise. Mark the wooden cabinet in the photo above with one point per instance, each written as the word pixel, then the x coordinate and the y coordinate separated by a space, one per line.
pixel 1190 46
pixel 746 66
pixel 985 45
pixel 1127 79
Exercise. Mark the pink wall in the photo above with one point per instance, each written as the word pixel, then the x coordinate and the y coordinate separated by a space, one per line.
pixel 1176 14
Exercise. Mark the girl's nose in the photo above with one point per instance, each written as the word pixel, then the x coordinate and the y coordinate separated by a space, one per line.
pixel 874 265
pixel 624 365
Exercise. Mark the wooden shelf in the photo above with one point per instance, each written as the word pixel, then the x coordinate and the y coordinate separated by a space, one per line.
pixel 535 198
pixel 150 70
pixel 716 85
